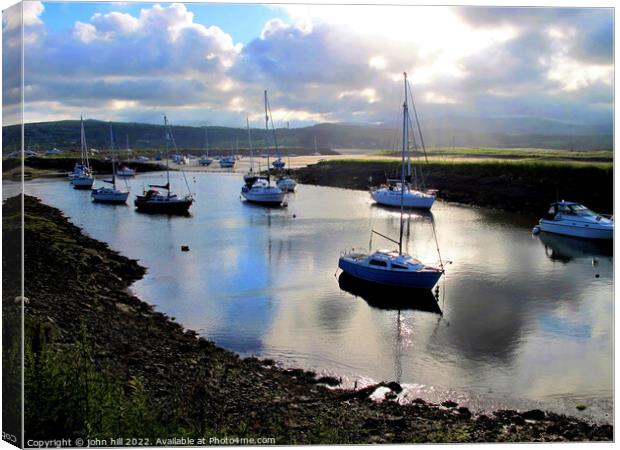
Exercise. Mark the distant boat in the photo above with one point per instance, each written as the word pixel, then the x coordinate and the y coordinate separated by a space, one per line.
pixel 53 151
pixel 110 194
pixel 205 160
pixel 124 170
pixel 81 177
pixel 229 162
pixel 286 183
pixel 386 267
pixel 397 190
pixel 261 190
pixel 152 201
pixel 573 219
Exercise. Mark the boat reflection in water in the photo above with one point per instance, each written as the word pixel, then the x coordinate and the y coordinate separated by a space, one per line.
pixel 566 248
pixel 391 297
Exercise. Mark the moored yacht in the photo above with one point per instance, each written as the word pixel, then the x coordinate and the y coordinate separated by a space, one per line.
pixel 392 268
pixel 259 189
pixel 110 194
pixel 205 160
pixel 153 201
pixel 390 195
pixel 574 219
pixel 82 177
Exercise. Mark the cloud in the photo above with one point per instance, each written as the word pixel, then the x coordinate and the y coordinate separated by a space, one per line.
pixel 323 62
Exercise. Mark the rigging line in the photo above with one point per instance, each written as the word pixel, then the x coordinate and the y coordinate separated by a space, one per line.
pixel 417 119
pixel 437 245
pixel 177 152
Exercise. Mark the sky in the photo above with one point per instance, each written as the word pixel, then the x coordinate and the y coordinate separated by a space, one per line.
pixel 210 63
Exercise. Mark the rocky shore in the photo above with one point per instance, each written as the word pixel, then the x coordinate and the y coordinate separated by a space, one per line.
pixel 76 290
pixel 521 186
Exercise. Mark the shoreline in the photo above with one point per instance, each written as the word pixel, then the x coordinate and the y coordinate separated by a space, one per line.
pixel 131 340
pixel 520 186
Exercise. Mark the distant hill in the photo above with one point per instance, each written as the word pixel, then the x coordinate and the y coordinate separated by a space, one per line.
pixel 443 132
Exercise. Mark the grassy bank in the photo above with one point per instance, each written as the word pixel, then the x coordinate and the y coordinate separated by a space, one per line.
pixel 539 154
pixel 102 363
pixel 519 185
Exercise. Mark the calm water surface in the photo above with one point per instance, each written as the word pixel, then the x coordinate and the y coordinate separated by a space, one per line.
pixel 525 318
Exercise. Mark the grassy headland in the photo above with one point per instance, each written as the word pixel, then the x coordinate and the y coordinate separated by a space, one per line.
pixel 524 185
pixel 101 363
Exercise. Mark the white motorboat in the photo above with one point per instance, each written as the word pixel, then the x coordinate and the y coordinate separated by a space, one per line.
pixel 110 194
pixel 287 184
pixel 573 219
pixel 392 268
pixel 153 201
pixel 390 195
pixel 259 189
pixel 82 177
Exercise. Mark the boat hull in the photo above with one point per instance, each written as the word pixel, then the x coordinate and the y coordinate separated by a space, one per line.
pixel 410 199
pixel 287 185
pixel 109 197
pixel 423 279
pixel 567 228
pixel 162 207
pixel 82 183
pixel 271 199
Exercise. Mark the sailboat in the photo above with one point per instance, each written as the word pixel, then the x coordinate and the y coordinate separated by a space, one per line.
pixel 392 268
pixel 286 183
pixel 152 201
pixel 393 193
pixel 110 194
pixel 261 191
pixel 205 160
pixel 82 177
pixel 124 170
pixel 228 162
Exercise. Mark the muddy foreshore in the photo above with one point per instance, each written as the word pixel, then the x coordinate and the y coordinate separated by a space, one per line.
pixel 77 286
pixel 521 187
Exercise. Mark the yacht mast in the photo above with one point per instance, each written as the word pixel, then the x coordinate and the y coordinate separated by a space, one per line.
pixel 113 157
pixel 267 137
pixel 167 164
pixel 402 172
pixel 247 121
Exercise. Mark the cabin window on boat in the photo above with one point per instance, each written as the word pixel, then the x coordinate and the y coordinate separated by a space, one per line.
pixel 376 262
pixel 581 210
pixel 398 266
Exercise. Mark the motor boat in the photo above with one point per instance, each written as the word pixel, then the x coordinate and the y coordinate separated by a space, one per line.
pixel 261 191
pixel 205 161
pixel 287 184
pixel 574 219
pixel 390 196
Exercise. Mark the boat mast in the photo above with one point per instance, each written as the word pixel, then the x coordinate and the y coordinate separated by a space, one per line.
pixel 207 140
pixel 247 121
pixel 402 172
pixel 267 137
pixel 167 164
pixel 113 157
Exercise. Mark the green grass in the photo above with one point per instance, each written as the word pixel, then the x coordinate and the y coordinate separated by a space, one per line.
pixel 516 153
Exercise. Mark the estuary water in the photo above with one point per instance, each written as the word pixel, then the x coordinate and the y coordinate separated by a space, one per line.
pixel 525 320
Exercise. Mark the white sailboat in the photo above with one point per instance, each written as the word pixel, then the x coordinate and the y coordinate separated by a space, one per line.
pixel 261 190
pixel 82 177
pixel 153 201
pixel 392 268
pixel 205 160
pixel 110 194
pixel 124 170
pixel 391 193
pixel 286 183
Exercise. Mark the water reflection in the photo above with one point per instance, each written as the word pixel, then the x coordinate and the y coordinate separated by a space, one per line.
pixel 566 248
pixel 389 297
pixel 261 281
